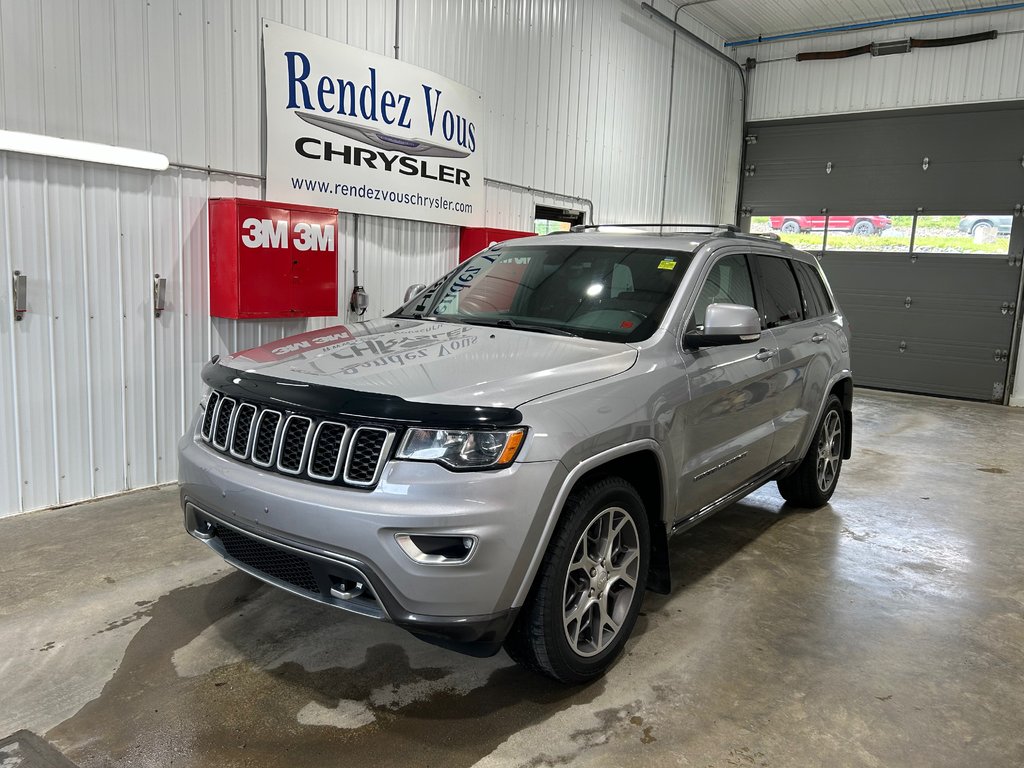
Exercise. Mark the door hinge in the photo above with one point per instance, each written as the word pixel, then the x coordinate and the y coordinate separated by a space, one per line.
pixel 1008 307
pixel 749 170
pixel 908 302
pixel 997 391
pixel 903 346
pixel 1001 355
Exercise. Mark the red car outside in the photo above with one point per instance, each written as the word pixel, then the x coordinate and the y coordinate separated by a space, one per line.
pixel 858 225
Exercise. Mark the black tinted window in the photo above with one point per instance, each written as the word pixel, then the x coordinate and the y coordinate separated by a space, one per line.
pixel 727 283
pixel 782 302
pixel 816 301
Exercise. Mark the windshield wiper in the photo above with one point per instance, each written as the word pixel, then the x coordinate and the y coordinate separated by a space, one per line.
pixel 506 323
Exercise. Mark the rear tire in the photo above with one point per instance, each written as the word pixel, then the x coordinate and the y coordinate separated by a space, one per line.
pixel 863 227
pixel 791 226
pixel 812 484
pixel 588 591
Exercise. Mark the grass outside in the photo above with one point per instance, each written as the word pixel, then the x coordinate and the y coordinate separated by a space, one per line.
pixel 924 243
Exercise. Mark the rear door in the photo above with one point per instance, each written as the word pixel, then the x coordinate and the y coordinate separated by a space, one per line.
pixel 803 365
pixel 727 426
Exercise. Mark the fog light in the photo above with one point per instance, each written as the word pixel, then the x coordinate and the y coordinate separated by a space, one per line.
pixel 437 550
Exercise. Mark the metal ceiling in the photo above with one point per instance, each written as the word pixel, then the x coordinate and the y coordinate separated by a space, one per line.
pixel 748 19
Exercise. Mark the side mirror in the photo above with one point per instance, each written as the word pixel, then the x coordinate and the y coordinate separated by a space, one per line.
pixel 412 290
pixel 726 324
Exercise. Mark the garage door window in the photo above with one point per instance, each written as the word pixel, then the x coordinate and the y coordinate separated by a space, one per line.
pixel 804 232
pixel 868 232
pixel 782 301
pixel 971 233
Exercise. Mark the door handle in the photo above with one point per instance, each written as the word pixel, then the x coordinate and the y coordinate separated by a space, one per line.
pixel 765 354
pixel 818 338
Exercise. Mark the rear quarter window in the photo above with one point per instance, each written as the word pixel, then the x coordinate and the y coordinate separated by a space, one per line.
pixel 815 295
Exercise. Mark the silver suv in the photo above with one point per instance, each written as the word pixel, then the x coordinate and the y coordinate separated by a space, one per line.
pixel 503 460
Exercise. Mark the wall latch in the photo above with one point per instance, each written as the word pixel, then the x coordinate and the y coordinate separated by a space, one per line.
pixel 159 295
pixel 19 290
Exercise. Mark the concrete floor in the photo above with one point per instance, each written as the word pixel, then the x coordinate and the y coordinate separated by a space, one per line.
pixel 884 630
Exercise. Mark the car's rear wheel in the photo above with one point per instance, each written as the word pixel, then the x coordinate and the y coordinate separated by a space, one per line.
pixel 812 484
pixel 587 594
pixel 863 227
pixel 791 226
pixel 982 231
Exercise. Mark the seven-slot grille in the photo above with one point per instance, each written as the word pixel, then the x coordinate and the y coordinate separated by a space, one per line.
pixel 295 444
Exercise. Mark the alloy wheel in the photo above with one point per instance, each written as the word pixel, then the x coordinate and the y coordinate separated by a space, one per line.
pixel 830 448
pixel 600 584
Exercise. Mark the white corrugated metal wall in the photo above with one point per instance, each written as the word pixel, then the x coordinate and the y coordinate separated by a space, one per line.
pixel 94 390
pixel 993 70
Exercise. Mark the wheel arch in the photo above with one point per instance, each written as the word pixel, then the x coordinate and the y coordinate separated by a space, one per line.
pixel 843 389
pixel 642 464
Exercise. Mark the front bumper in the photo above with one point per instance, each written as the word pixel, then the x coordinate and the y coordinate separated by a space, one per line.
pixel 336 545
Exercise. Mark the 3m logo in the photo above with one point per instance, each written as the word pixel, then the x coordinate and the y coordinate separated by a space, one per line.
pixel 313 237
pixel 267 233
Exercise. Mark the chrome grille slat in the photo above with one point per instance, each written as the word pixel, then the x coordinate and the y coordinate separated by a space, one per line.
pixel 367 452
pixel 295 439
pixel 327 451
pixel 268 429
pixel 223 423
pixel 295 444
pixel 241 439
pixel 211 410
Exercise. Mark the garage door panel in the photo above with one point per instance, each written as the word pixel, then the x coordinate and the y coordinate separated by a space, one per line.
pixel 928 366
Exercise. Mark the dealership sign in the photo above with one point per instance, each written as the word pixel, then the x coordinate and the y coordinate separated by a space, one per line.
pixel 363 133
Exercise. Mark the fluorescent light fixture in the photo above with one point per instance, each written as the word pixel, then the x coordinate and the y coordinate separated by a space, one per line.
pixel 90 152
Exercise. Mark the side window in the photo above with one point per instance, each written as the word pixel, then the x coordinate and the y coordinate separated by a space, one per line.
pixel 782 302
pixel 816 301
pixel 729 283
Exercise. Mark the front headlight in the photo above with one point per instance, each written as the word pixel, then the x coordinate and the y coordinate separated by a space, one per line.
pixel 463 449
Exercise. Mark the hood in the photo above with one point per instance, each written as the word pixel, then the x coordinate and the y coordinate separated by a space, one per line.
pixel 435 362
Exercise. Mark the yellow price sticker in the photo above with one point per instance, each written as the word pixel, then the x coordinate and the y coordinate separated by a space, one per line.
pixel 667 264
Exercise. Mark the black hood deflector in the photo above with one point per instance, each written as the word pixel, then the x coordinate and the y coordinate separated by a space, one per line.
pixel 337 402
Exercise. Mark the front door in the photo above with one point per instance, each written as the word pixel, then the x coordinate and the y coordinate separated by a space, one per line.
pixel 727 425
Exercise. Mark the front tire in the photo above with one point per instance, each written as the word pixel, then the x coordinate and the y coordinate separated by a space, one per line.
pixel 812 484
pixel 589 588
pixel 791 227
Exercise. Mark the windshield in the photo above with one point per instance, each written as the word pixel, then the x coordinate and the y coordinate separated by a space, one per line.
pixel 603 293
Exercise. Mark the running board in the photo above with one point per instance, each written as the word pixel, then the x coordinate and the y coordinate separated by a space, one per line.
pixel 731 498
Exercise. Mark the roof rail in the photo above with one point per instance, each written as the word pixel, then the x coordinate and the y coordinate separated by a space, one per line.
pixel 766 236
pixel 585 227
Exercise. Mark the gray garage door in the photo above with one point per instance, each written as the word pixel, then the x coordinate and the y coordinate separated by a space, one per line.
pixel 924 239
pixel 938 324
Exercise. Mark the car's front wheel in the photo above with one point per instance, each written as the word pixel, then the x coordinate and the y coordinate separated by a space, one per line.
pixel 590 585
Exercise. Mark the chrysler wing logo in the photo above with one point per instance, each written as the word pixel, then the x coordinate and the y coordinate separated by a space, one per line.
pixel 380 140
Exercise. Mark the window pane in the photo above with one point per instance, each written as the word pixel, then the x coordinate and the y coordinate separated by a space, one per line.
pixel 868 232
pixel 804 232
pixel 781 295
pixel 727 283
pixel 544 226
pixel 974 233
pixel 816 301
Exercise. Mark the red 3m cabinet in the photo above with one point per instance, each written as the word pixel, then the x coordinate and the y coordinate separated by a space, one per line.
pixel 472 240
pixel 272 260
